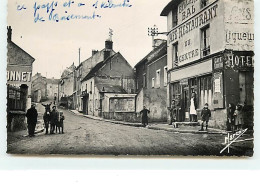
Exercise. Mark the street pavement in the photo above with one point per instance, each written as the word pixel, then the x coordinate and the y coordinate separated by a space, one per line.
pixel 98 137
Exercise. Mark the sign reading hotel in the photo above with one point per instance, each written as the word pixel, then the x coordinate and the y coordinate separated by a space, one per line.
pixel 191 17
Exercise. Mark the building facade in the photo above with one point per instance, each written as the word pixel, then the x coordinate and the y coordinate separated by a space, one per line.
pixel 114 75
pixel 44 88
pixel 39 88
pixel 151 82
pixel 19 81
pixel 84 68
pixel 211 53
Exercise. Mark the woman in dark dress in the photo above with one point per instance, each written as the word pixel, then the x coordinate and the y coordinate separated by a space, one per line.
pixel 145 113
pixel 231 117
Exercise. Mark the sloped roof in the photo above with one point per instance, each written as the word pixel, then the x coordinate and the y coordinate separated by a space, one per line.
pixel 11 43
pixel 108 88
pixel 54 81
pixel 99 65
pixel 155 53
pixel 169 7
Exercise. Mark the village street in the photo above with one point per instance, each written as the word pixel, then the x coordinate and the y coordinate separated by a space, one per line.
pixel 88 136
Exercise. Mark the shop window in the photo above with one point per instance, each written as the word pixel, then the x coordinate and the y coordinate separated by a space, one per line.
pixel 158 78
pixel 205 35
pixel 165 76
pixel 174 17
pixel 152 82
pixel 205 91
pixel 204 3
pixel 175 55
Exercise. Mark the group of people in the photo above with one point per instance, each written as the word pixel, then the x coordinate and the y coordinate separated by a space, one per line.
pixel 51 118
pixel 235 117
pixel 54 119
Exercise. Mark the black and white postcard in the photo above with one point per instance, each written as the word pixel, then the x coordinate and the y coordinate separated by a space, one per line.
pixel 130 77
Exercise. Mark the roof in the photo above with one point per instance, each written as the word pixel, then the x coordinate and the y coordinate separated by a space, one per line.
pixel 51 80
pixel 108 88
pixel 169 7
pixel 155 53
pixel 98 66
pixel 15 45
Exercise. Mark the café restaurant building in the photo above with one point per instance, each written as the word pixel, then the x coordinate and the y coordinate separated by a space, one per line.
pixel 211 53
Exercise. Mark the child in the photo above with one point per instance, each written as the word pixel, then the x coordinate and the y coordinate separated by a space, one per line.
pixel 239 121
pixel 60 123
pixel 205 115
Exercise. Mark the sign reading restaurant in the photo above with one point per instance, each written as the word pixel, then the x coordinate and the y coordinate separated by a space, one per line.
pixel 201 19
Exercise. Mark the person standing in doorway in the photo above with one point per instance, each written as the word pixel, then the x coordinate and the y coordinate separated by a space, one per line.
pixel 173 113
pixel 145 113
pixel 193 108
pixel 230 117
pixel 31 115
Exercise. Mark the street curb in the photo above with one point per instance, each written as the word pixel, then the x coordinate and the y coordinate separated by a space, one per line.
pixel 149 127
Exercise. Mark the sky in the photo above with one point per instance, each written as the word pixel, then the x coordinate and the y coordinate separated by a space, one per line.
pixel 55 45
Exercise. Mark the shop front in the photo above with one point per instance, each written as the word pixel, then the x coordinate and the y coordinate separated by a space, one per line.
pixel 226 78
pixel 195 78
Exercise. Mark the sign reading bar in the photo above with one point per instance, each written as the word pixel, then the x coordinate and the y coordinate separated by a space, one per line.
pixel 198 21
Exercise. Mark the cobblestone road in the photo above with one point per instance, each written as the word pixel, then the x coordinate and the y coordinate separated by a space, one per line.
pixel 87 136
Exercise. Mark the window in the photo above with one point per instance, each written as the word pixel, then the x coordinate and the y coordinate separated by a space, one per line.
pixel 205 41
pixel 204 3
pixel 86 88
pixel 205 91
pixel 144 80
pixel 152 82
pixel 158 78
pixel 91 86
pixel 174 17
pixel 175 55
pixel 165 76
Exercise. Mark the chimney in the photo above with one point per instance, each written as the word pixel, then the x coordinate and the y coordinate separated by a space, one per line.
pixel 106 54
pixel 109 44
pixel 94 52
pixel 9 33
pixel 158 42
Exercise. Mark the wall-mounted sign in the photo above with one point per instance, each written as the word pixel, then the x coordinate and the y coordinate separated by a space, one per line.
pixel 218 62
pixel 218 98
pixel 19 76
pixel 196 22
pixel 184 81
pixel 239 60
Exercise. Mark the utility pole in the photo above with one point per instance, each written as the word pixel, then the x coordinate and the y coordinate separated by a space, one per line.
pixel 79 55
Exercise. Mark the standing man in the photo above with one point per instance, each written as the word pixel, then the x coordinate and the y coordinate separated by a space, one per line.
pixel 172 112
pixel 54 119
pixel 31 115
pixel 145 113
